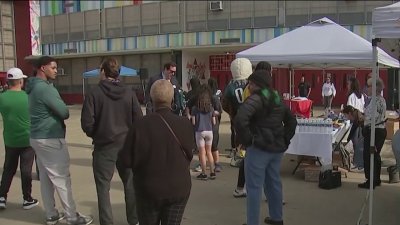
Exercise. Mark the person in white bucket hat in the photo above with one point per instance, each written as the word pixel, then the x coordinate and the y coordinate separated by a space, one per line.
pixel 14 109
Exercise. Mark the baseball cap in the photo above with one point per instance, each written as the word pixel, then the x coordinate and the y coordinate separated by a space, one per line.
pixel 15 74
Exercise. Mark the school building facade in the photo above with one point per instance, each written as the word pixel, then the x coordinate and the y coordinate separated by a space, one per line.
pixel 201 36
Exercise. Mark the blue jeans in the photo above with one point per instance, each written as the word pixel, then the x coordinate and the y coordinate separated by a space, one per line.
pixel 358 147
pixel 262 169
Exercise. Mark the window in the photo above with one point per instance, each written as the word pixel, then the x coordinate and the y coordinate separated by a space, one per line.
pixel 265 14
pixel 241 13
pixel 296 13
pixel 92 24
pixel 9 51
pixel 76 26
pixel 196 15
pixel 131 20
pixel 150 18
pixel 47 29
pixel 7 22
pixel 321 9
pixel 170 12
pixel 6 7
pixel 61 28
pixel 9 63
pixel 8 36
pixel 113 21
pixel 351 12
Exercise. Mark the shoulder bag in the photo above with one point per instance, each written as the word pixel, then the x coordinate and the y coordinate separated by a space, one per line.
pixel 173 134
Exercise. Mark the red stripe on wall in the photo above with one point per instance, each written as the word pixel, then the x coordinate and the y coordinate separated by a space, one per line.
pixel 22 35
pixel 137 2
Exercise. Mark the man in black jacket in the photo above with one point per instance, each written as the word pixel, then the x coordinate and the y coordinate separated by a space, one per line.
pixel 167 74
pixel 265 126
pixel 107 114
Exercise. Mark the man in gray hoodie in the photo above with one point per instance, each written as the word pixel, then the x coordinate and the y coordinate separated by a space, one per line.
pixel 108 112
pixel 48 112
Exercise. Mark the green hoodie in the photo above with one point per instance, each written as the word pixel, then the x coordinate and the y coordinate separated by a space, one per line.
pixel 48 111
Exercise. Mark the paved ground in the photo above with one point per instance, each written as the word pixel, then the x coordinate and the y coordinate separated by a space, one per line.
pixel 211 202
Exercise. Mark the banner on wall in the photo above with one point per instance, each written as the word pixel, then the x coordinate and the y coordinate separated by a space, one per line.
pixel 34 7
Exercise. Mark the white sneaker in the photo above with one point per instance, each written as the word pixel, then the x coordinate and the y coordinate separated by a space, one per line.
pixel 239 193
pixel 3 203
pixel 197 168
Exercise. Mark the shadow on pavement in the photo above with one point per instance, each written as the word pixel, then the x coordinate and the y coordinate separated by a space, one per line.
pixel 14 212
pixel 81 162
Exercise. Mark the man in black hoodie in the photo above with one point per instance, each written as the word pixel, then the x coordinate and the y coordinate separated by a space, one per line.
pixel 108 112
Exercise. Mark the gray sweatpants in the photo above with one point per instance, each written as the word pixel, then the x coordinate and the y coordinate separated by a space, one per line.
pixel 53 162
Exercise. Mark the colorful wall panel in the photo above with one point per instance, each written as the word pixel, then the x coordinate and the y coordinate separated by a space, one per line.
pixel 247 36
pixel 68 6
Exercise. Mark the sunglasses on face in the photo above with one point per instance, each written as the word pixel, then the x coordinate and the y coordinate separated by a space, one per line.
pixel 171 71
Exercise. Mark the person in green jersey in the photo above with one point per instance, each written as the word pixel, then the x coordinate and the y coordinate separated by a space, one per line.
pixel 15 112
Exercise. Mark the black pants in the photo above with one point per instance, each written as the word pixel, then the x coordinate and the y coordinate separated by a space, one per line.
pixel 166 212
pixel 233 135
pixel 380 135
pixel 241 178
pixel 26 156
pixel 105 159
pixel 214 146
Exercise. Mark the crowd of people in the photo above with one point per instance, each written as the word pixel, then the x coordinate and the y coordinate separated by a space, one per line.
pixel 156 174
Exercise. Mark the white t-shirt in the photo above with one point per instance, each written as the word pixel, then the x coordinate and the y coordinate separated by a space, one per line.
pixel 357 103
pixel 328 89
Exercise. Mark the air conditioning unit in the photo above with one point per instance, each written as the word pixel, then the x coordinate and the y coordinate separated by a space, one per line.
pixel 216 6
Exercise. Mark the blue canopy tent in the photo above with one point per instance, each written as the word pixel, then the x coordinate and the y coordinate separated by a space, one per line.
pixel 124 71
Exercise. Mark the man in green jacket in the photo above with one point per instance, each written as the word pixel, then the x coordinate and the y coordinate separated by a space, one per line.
pixel 48 112
pixel 15 113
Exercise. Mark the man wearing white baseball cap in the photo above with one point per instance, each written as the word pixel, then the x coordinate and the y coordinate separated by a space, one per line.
pixel 14 109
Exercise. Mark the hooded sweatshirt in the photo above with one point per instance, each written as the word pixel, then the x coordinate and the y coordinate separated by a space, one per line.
pixel 48 111
pixel 108 112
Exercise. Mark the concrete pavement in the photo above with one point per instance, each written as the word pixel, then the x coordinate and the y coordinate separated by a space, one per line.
pixel 211 202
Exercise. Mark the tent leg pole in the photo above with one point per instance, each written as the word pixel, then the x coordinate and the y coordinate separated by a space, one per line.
pixel 83 88
pixel 290 87
pixel 373 116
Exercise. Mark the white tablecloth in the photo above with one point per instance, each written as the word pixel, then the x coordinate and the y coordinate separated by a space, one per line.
pixel 317 144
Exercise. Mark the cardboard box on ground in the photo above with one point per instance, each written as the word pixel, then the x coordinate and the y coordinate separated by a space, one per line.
pixel 311 170
pixel 392 124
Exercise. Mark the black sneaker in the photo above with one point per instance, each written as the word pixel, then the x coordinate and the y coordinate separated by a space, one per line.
pixel 3 203
pixel 54 219
pixel 268 220
pixel 213 176
pixel 29 204
pixel 365 185
pixel 202 176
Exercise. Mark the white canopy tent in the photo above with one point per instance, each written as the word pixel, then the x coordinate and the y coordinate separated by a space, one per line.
pixel 386 21
pixel 385 24
pixel 320 44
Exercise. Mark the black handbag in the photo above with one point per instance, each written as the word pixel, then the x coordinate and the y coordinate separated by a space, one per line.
pixel 330 179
